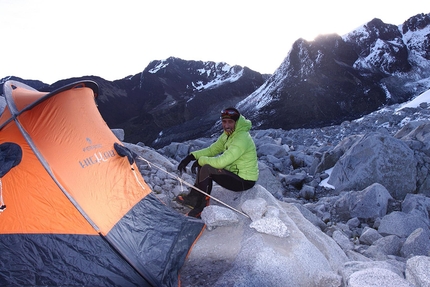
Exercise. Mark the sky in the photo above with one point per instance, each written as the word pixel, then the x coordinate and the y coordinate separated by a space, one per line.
pixel 51 40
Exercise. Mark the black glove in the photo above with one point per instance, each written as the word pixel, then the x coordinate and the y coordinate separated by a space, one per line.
pixel 195 166
pixel 123 151
pixel 183 164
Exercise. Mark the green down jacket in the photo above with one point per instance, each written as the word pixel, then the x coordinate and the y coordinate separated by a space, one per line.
pixel 235 153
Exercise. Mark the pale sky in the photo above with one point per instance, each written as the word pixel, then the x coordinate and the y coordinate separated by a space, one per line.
pixel 51 40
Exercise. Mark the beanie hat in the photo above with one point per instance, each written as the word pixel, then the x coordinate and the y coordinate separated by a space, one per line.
pixel 230 113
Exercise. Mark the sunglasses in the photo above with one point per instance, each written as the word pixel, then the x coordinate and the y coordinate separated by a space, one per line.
pixel 228 113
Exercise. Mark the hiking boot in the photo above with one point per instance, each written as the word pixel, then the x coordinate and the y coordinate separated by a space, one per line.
pixel 186 200
pixel 197 211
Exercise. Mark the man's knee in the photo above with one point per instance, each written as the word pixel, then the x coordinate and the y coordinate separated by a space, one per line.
pixel 205 171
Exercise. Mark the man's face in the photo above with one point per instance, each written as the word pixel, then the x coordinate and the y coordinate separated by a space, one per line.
pixel 228 125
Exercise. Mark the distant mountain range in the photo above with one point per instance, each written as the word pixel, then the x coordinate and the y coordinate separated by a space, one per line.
pixel 320 83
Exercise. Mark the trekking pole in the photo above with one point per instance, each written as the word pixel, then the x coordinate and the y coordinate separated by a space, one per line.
pixel 192 186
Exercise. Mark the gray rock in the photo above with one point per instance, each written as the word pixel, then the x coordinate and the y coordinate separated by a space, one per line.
pixel 151 158
pixel 119 133
pixel 241 256
pixel 215 216
pixel 270 225
pixel 353 223
pixel 416 203
pixel 401 224
pixel 269 181
pixel 370 203
pixel 330 157
pixel 407 129
pixel 342 240
pixel 377 277
pixel 271 149
pixel 307 192
pixel 355 256
pixel 417 271
pixel 381 248
pixel 255 208
pixel 328 279
pixel 369 236
pixel 418 243
pixel 352 267
pixel 311 217
pixel 421 133
pixel 295 180
pixel 377 158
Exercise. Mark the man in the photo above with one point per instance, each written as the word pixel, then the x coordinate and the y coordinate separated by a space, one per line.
pixel 231 161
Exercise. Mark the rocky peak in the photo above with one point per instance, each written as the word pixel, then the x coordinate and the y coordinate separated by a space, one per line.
pixel 333 78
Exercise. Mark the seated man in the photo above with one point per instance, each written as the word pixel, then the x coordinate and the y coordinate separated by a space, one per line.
pixel 231 161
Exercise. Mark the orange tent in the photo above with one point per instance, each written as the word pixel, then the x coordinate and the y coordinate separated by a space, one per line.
pixel 77 213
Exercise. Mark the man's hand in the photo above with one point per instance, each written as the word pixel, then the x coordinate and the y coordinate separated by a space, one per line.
pixel 195 166
pixel 182 167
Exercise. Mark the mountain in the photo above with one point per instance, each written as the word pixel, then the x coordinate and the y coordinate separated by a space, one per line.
pixel 333 78
pixel 320 83
pixel 176 98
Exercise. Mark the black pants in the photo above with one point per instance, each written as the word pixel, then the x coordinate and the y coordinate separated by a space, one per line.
pixel 207 174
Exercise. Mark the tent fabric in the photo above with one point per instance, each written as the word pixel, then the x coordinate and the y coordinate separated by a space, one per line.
pixel 74 203
pixel 63 260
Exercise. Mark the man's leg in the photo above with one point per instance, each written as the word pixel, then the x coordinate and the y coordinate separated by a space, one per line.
pixel 226 178
pixel 204 183
pixel 195 198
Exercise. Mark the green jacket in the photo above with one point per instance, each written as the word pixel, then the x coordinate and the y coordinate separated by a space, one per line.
pixel 235 153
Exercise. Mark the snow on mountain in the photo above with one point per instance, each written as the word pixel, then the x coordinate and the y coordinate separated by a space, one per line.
pixel 423 98
pixel 226 74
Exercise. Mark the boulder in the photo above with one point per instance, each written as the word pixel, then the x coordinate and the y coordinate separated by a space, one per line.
pixel 369 203
pixel 269 181
pixel 307 192
pixel 402 224
pixel 353 267
pixel 243 256
pixel 377 158
pixel 342 240
pixel 328 279
pixel 315 220
pixel 417 243
pixel 329 158
pixel 275 150
pixel 416 203
pixel 385 246
pixel 215 216
pixel 296 180
pixel 376 277
pixel 255 208
pixel 417 270
pixel 119 133
pixel 419 133
pixel 369 236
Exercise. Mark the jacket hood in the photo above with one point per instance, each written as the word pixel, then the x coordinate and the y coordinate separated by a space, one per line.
pixel 242 124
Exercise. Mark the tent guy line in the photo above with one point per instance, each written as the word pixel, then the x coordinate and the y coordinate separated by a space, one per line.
pixel 192 186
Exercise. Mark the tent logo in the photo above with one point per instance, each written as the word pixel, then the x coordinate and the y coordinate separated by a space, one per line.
pixel 98 157
pixel 91 146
